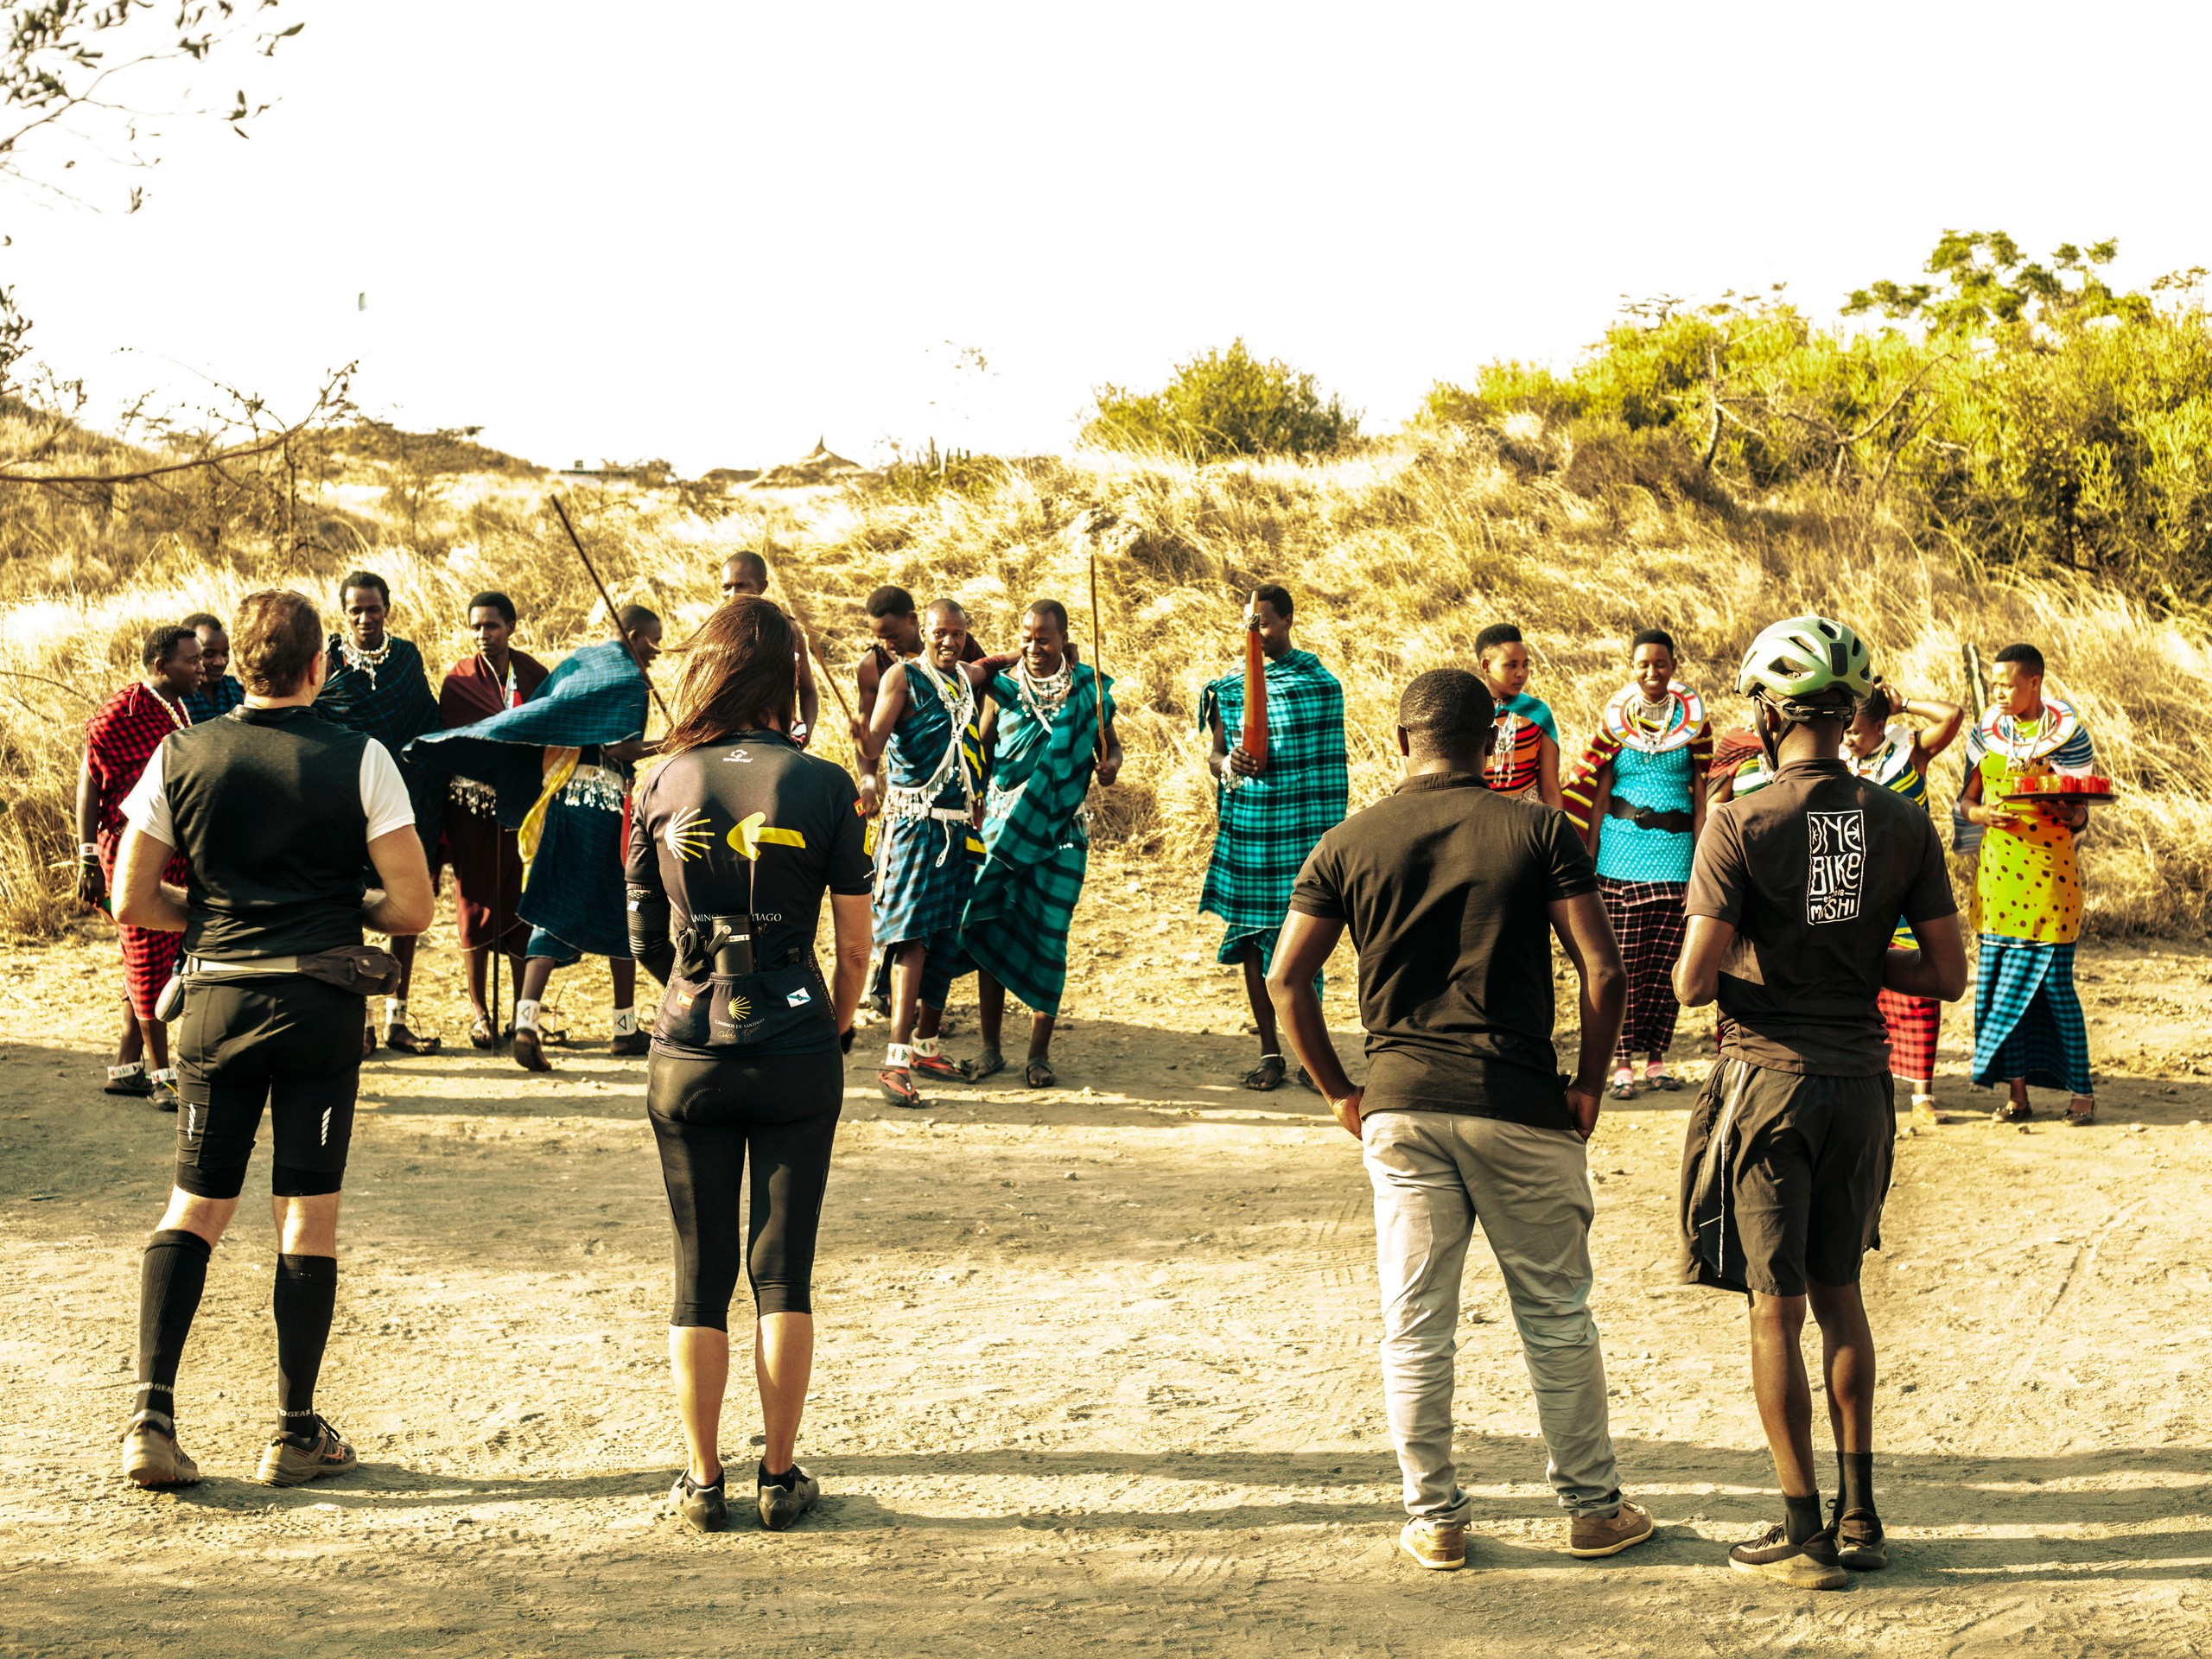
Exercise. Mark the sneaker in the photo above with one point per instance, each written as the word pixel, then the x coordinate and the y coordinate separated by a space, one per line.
pixel 705 1508
pixel 290 1462
pixel 163 1090
pixel 1859 1544
pixel 1609 1534
pixel 631 1042
pixel 1812 1565
pixel 781 1505
pixel 151 1456
pixel 1439 1545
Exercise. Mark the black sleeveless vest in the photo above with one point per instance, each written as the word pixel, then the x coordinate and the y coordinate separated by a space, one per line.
pixel 267 807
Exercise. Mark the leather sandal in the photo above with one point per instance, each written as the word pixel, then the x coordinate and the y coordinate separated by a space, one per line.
pixel 1266 1077
pixel 401 1040
pixel 480 1033
pixel 897 1085
pixel 988 1064
pixel 528 1054
pixel 1040 1074
pixel 2082 1111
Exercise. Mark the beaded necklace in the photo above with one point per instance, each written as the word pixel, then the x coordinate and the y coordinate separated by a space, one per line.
pixel 354 656
pixel 1043 698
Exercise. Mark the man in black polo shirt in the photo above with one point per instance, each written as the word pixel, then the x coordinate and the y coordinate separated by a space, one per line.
pixel 1793 902
pixel 277 813
pixel 1453 895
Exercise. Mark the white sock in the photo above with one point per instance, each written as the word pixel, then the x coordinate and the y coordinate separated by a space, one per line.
pixel 526 1015
pixel 626 1022
pixel 395 1010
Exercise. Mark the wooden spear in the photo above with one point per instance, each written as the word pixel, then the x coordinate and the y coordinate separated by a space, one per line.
pixel 620 633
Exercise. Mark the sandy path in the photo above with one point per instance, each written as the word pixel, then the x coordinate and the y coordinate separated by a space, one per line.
pixel 1096 1372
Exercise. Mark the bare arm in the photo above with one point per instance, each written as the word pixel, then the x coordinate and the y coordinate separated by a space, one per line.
pixel 1724 790
pixel 1942 730
pixel 809 698
pixel 1697 802
pixel 91 887
pixel 868 676
pixel 1548 773
pixel 1601 795
pixel 1304 946
pixel 849 918
pixel 1937 969
pixel 1112 768
pixel 988 732
pixel 141 899
pixel 873 731
pixel 405 905
pixel 1697 976
pixel 1586 936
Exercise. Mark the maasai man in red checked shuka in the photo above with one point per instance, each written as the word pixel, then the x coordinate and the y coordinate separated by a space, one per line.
pixel 119 742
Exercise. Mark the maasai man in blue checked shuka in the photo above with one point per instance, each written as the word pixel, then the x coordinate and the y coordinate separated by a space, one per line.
pixel 1041 737
pixel 925 723
pixel 565 758
pixel 1272 812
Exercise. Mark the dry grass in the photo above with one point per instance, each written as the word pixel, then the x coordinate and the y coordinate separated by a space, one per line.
pixel 1397 555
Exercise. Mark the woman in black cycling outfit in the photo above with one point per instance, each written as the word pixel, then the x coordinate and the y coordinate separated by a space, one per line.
pixel 733 842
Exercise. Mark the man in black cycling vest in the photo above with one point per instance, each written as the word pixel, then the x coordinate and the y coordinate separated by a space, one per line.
pixel 277 812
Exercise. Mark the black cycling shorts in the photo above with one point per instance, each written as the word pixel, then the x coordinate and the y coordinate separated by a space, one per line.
pixel 711 1118
pixel 289 1043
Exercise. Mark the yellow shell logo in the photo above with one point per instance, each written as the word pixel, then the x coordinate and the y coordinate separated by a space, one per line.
pixel 741 1010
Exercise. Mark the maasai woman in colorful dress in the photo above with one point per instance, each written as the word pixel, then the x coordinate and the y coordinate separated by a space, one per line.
pixel 1896 756
pixel 1639 797
pixel 2027 1016
pixel 1524 749
pixel 1041 733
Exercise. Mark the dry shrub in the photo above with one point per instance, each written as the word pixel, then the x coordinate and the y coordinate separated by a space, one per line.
pixel 1396 554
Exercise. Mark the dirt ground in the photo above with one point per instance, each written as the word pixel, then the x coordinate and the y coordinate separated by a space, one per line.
pixel 1097 1369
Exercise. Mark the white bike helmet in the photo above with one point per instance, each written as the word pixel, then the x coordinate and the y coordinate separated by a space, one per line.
pixel 1796 661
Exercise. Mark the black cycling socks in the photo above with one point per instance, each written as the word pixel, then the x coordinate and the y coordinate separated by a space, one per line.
pixel 305 1292
pixel 786 1481
pixel 1857 1470
pixel 1801 1516
pixel 170 1278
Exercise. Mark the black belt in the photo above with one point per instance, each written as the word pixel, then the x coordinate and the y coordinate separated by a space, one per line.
pixel 1643 817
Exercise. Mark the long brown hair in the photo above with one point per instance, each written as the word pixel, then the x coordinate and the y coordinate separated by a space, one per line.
pixel 739 675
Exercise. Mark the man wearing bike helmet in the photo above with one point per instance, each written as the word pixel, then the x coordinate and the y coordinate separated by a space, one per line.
pixel 1795 894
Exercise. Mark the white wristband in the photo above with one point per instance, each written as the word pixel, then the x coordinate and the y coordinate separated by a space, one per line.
pixel 87 849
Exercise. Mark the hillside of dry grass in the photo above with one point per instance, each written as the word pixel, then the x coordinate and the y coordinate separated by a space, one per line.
pixel 1397 554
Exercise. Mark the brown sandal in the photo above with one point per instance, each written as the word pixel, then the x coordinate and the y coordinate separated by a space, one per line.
pixel 528 1053
pixel 401 1040
pixel 2083 1119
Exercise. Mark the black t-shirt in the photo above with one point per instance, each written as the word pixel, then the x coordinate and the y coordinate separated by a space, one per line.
pixel 1444 887
pixel 1813 871
pixel 684 832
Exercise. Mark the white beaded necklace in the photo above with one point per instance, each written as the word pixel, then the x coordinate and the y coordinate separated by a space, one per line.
pixel 357 658
pixel 1043 698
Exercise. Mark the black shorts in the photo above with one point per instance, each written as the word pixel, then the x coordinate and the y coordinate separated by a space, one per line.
pixel 1783 1177
pixel 290 1044
pixel 711 1118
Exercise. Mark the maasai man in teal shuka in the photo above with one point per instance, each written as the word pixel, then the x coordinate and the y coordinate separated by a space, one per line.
pixel 1272 812
pixel 1041 732
pixel 925 723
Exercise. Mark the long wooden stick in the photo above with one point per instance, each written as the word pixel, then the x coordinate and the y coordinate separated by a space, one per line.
pixel 1097 661
pixel 620 633
pixel 798 609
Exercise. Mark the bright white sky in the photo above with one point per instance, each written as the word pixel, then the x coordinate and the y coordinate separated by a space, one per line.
pixel 710 232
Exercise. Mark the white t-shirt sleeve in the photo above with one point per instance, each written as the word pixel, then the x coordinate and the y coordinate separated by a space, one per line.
pixel 384 792
pixel 146 808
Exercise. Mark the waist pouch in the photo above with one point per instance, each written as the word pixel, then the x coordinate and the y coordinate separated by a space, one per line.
pixel 785 1007
pixel 1644 817
pixel 361 970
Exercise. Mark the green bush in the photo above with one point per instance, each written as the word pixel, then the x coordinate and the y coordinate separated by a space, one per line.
pixel 2025 414
pixel 1224 402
